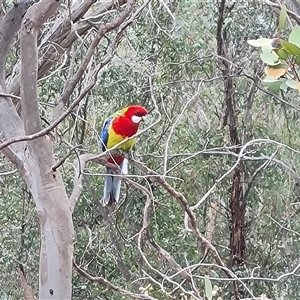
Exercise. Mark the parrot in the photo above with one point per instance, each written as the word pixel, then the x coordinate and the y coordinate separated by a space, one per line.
pixel 121 125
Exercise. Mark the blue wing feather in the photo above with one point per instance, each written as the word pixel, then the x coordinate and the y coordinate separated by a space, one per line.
pixel 104 133
pixel 112 184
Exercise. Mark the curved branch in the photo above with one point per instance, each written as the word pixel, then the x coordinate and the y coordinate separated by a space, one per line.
pixel 101 32
pixel 183 202
pixel 111 286
pixel 63 36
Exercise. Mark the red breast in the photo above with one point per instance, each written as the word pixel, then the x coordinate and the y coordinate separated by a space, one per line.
pixel 124 126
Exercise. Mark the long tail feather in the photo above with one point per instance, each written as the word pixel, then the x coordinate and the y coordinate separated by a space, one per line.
pixel 112 185
pixel 124 167
pixel 107 189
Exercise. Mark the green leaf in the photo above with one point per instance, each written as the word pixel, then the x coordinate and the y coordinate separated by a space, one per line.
pixel 267 49
pixel 269 58
pixel 297 61
pixel 208 288
pixel 290 48
pixel 283 85
pixel 260 42
pixel 292 83
pixel 295 36
pixel 282 17
pixel 275 87
pixel 268 79
pixel 281 53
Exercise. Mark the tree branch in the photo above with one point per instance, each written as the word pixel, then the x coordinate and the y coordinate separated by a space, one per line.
pixel 277 8
pixel 34 18
pixel 111 286
pixel 183 202
pixel 44 131
pixel 9 26
pixel 101 32
pixel 79 166
pixel 63 35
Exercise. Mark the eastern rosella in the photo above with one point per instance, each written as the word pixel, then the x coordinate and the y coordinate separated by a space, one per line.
pixel 121 125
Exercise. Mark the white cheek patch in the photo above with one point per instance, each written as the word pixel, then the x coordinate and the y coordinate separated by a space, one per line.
pixel 136 119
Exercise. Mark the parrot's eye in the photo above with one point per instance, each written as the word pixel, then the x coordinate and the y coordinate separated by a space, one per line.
pixel 138 114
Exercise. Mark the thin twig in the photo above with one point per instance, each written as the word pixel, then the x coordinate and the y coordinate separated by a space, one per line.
pixel 62 160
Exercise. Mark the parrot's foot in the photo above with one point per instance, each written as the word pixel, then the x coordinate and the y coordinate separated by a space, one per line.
pixel 131 155
pixel 128 154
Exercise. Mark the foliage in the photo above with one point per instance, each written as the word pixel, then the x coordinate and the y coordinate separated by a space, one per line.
pixel 168 58
pixel 282 58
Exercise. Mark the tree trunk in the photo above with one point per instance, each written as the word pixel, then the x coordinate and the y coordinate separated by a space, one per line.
pixel 56 225
pixel 35 158
pixel 46 186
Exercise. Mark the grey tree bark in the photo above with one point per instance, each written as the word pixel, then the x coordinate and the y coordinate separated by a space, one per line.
pixel 46 186
pixel 34 157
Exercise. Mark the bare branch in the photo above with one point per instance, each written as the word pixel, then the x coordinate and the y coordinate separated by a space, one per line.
pixel 111 286
pixel 34 18
pixel 101 32
pixel 44 131
pixel 9 26
pixel 10 96
pixel 277 8
pixel 79 166
pixel 183 202
pixel 62 160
